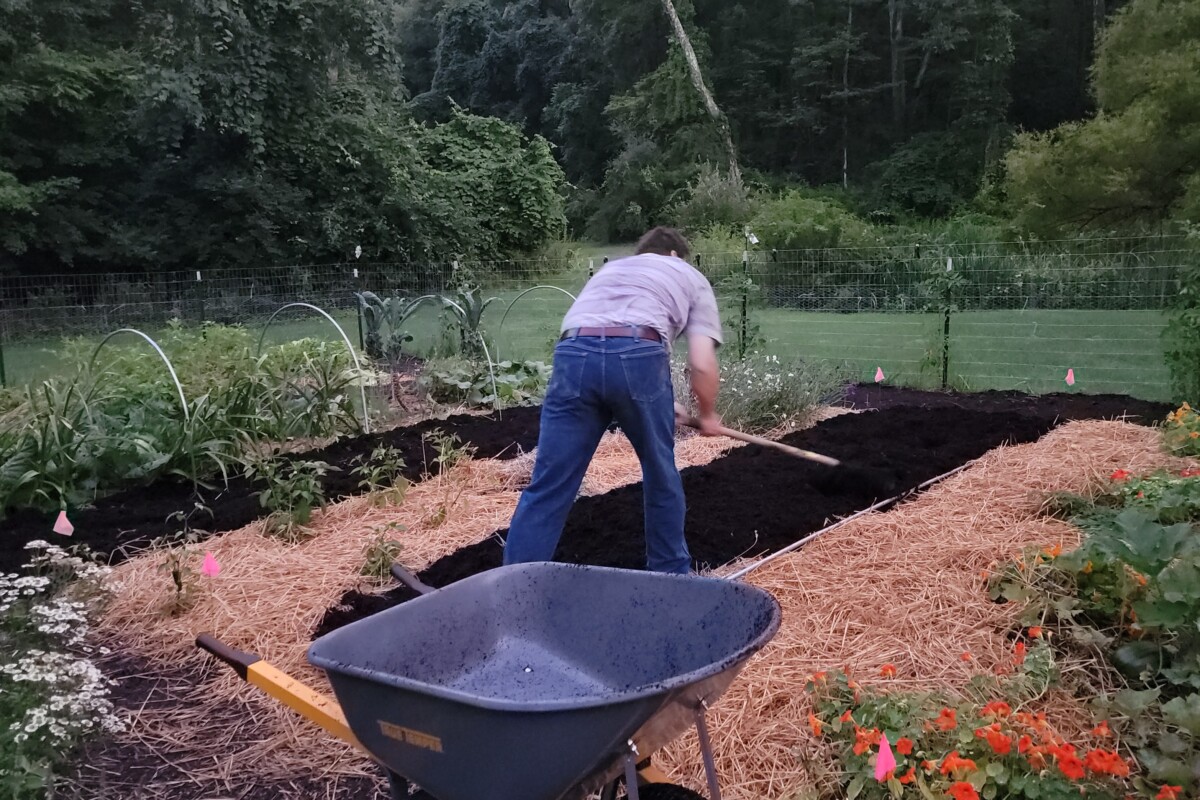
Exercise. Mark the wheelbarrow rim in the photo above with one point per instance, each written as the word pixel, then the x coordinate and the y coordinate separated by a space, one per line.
pixel 675 682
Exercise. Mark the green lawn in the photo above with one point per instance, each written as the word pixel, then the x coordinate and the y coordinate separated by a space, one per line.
pixel 1110 351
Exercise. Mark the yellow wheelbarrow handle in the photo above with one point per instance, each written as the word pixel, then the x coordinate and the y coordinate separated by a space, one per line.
pixel 301 698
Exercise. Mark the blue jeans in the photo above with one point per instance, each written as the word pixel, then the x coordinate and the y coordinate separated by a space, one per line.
pixel 595 381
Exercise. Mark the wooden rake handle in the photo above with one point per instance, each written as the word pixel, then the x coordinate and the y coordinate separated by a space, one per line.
pixel 808 455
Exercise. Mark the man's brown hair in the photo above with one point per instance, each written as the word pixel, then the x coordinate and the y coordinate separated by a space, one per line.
pixel 662 241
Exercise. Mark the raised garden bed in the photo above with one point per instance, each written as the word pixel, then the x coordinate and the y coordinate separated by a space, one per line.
pixel 130 520
pixel 754 500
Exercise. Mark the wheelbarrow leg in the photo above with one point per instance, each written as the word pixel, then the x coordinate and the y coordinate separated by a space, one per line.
pixel 710 766
pixel 631 781
pixel 398 786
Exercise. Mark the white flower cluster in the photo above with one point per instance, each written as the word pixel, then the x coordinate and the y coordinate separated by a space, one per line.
pixel 59 560
pixel 76 698
pixel 13 588
pixel 64 618
pixel 760 392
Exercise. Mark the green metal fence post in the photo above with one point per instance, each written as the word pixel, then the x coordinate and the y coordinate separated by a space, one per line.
pixel 745 303
pixel 946 328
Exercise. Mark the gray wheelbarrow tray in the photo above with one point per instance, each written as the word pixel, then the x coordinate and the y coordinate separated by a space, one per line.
pixel 541 681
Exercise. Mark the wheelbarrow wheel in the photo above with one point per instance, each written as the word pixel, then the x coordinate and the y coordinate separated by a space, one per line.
pixel 667 791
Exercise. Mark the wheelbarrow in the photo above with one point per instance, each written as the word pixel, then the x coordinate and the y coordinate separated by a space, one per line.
pixel 531 682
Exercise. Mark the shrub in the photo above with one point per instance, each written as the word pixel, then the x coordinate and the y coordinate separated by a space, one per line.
pixel 797 221
pixel 712 200
pixel 761 393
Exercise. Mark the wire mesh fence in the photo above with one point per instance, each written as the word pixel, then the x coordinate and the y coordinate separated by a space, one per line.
pixel 968 316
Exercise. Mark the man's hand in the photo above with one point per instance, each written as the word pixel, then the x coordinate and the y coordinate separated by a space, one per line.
pixel 707 425
pixel 710 424
pixel 682 417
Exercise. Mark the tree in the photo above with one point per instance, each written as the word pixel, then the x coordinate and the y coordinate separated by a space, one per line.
pixel 697 77
pixel 1137 160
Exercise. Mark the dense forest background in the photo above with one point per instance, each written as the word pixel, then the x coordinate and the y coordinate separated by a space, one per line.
pixel 164 134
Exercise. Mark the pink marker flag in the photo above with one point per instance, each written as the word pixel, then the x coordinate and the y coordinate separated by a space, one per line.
pixel 1070 377
pixel 210 568
pixel 63 525
pixel 885 762
pixel 879 374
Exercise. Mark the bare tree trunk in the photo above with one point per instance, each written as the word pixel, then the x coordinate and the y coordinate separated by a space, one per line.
pixel 896 38
pixel 846 95
pixel 735 173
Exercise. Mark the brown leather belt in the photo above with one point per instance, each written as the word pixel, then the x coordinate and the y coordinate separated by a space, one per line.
pixel 623 331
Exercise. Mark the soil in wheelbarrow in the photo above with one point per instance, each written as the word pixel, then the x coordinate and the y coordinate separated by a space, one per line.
pixel 130 520
pixel 756 500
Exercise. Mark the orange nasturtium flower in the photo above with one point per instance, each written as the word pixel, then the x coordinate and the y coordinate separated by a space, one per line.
pixel 1035 632
pixel 963 791
pixel 1190 472
pixel 947 720
pixel 965 656
pixel 1166 792
pixel 815 723
pixel 904 746
pixel 887 671
pixel 864 739
pixel 1106 762
pixel 846 717
pixel 1054 550
pixel 1070 765
pixel 1102 730
pixel 1120 475
pixel 1024 744
pixel 954 763
pixel 1019 651
pixel 909 776
pixel 817 677
pixel 1000 743
pixel 996 708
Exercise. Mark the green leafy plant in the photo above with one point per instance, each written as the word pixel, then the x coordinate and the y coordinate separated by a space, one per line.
pixel 382 552
pixel 1182 431
pixel 65 442
pixel 517 383
pixel 1132 592
pixel 293 492
pixel 463 312
pixel 382 476
pixel 450 451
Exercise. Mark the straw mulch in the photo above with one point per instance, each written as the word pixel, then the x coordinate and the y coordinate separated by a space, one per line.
pixel 903 587
pixel 270 595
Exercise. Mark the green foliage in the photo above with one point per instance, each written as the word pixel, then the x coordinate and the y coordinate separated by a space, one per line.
pixel 463 312
pixel 382 475
pixel 383 324
pixel 713 201
pixel 1181 337
pixel 798 221
pixel 69 441
pixel 1134 162
pixel 498 192
pixel 449 449
pixel 293 491
pixel 382 552
pixel 1132 590
pixel 1182 431
pixel 470 382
